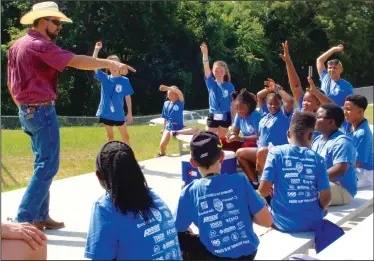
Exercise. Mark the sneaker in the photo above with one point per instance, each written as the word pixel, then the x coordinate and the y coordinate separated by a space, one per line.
pixel 160 155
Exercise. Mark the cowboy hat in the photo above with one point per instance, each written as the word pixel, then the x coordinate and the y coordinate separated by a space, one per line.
pixel 44 9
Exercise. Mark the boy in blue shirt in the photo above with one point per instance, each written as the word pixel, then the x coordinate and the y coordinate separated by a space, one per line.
pixel 338 151
pixel 358 129
pixel 222 206
pixel 335 87
pixel 172 112
pixel 301 185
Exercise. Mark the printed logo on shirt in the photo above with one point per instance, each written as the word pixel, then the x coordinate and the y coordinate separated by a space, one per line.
pixel 204 205
pixel 171 231
pixel 225 93
pixel 291 194
pixel 167 214
pixel 152 230
pixel 250 129
pixel 227 230
pixel 295 181
pixel 307 182
pixel 310 177
pixel 218 205
pixel 225 239
pixel 299 166
pixel 301 193
pixel 210 218
pixel 168 256
pixel 156 249
pixel 303 187
pixel 176 107
pixel 291 187
pixel 335 90
pixel 288 163
pixel 308 194
pixel 118 88
pixel 309 171
pixel 158 238
pixel 270 123
pixel 160 258
pixel 212 233
pixel 174 253
pixel 291 175
pixel 156 214
pixel 243 234
pixel 234 236
pixel 240 225
pixel 216 242
pixel 168 244
pixel 232 219
pixel 216 224
pixel 230 206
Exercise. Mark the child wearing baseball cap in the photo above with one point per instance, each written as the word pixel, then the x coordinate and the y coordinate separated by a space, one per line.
pixel 223 207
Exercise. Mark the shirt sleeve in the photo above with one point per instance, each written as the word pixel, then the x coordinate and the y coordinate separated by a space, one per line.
pixel 363 147
pixel 183 213
pixel 270 168
pixel 163 114
pixel 343 151
pixel 55 57
pixel 102 238
pixel 300 102
pixel 255 202
pixel 256 121
pixel 324 74
pixel 323 177
pixel 101 76
pixel 127 87
pixel 237 121
pixel 210 83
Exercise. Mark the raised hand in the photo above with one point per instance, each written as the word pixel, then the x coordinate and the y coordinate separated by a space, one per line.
pixel 312 87
pixel 163 88
pixel 286 54
pixel 270 85
pixel 339 48
pixel 98 45
pixel 204 48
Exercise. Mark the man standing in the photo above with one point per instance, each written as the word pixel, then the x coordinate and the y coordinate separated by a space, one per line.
pixel 335 87
pixel 33 65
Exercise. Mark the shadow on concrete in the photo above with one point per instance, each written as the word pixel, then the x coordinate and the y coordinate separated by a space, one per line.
pixel 63 233
pixel 70 243
pixel 7 172
pixel 162 174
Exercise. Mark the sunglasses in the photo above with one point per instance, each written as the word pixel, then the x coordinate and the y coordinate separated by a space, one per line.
pixel 55 22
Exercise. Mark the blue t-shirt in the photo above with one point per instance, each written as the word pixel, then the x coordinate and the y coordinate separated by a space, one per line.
pixel 113 235
pixel 249 125
pixel 335 90
pixel 219 95
pixel 222 208
pixel 338 148
pixel 264 110
pixel 298 174
pixel 113 91
pixel 273 128
pixel 173 113
pixel 362 139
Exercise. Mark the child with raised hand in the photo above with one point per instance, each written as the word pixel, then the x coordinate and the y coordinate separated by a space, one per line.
pixel 216 203
pixel 172 113
pixel 357 127
pixel 220 89
pixel 114 89
pixel 273 126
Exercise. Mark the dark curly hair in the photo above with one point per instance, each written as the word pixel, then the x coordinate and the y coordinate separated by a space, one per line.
pixel 247 98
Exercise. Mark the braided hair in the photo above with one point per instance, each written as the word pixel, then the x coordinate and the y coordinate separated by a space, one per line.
pixel 124 181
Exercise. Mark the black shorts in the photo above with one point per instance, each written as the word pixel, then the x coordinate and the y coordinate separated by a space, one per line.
pixel 212 123
pixel 110 122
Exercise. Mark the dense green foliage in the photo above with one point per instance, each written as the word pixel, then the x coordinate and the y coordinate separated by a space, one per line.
pixel 161 40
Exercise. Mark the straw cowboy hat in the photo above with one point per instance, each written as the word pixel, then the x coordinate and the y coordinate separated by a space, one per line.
pixel 44 9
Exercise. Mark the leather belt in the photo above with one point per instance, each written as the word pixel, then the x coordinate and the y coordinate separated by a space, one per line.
pixel 38 104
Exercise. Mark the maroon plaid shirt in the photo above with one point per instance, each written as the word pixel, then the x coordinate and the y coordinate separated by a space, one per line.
pixel 33 66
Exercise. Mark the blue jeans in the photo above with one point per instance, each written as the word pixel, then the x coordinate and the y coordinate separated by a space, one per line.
pixel 43 129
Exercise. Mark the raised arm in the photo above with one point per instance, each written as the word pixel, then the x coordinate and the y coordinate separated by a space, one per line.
pixel 96 51
pixel 261 95
pixel 85 62
pixel 323 99
pixel 204 50
pixel 323 58
pixel 293 78
pixel 173 89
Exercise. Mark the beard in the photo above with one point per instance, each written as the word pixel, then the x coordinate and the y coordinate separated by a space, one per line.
pixel 52 35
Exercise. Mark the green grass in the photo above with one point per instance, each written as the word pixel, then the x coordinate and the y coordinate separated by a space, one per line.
pixel 79 147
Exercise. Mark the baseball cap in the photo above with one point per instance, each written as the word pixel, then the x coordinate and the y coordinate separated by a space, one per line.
pixel 205 148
